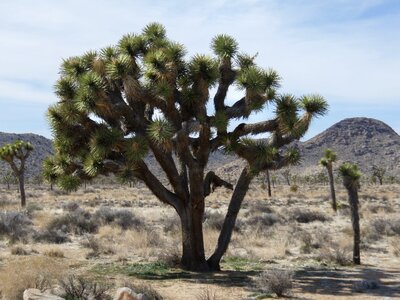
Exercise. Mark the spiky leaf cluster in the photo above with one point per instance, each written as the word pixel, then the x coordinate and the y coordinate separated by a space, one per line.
pixel 18 149
pixel 118 103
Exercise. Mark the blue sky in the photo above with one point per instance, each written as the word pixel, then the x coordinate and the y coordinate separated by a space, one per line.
pixel 346 50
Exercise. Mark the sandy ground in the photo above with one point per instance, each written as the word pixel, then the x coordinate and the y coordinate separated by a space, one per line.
pixel 305 248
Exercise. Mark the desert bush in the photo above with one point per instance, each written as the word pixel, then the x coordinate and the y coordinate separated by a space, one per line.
pixel 28 272
pixel 17 226
pixel 145 289
pixel 395 245
pixel 171 257
pixel 215 219
pixel 265 219
pixel 51 236
pixel 96 246
pixel 54 253
pixel 84 289
pixel 18 250
pixel 307 216
pixel 70 206
pixel 207 294
pixel 121 217
pixel 336 255
pixel 294 188
pixel 77 221
pixel 171 224
pixel 276 281
pixel 376 228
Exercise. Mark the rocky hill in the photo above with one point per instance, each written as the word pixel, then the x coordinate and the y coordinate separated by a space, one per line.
pixel 42 148
pixel 364 141
pixel 361 140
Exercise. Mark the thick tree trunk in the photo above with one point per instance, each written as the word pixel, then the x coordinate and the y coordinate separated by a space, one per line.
pixel 268 183
pixel 355 220
pixel 22 189
pixel 332 186
pixel 229 223
pixel 352 191
pixel 193 254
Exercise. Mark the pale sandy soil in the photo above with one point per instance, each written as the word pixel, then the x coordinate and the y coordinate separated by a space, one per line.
pixel 264 247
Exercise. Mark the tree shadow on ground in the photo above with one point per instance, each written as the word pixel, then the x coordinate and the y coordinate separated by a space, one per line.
pixel 341 282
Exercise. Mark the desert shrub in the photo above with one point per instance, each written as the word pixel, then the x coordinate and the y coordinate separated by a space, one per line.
pixel 379 227
pixel 96 246
pixel 32 207
pixel 77 221
pixel 51 236
pixel 276 281
pixel 170 224
pixel 207 294
pixel 336 255
pixel 307 216
pixel 70 206
pixel 215 219
pixel 28 272
pixel 265 219
pixel 54 253
pixel 17 226
pixel 145 289
pixel 395 245
pixel 171 257
pixel 83 289
pixel 121 217
pixel 18 250
pixel 294 188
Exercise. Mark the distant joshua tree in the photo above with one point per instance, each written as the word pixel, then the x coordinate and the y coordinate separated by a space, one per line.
pixel 379 173
pixel 145 96
pixel 16 154
pixel 9 178
pixel 327 161
pixel 351 176
pixel 49 171
pixel 287 175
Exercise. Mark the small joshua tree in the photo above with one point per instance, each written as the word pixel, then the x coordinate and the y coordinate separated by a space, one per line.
pixel 144 96
pixel 351 176
pixel 15 155
pixel 327 161
pixel 379 173
pixel 8 179
pixel 49 173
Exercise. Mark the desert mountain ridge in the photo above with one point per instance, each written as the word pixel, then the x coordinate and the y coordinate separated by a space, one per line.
pixel 364 141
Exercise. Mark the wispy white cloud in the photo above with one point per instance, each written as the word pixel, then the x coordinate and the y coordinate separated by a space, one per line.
pixel 348 51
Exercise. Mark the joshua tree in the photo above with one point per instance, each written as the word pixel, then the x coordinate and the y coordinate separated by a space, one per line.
pixel 15 155
pixel 327 161
pixel 8 179
pixel 351 176
pixel 378 172
pixel 143 95
pixel 49 171
pixel 287 175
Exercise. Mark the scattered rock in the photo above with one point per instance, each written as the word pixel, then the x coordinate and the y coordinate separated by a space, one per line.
pixel 35 294
pixel 127 294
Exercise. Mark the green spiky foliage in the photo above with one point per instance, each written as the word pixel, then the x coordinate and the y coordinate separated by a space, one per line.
pixel 16 154
pixel 350 173
pixel 144 96
pixel 327 161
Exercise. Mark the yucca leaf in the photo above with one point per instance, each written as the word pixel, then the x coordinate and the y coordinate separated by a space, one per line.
pixel 135 149
pixel 251 79
pixel 132 45
pixel 161 132
pixel 315 105
pixel 220 120
pixel 204 67
pixel 120 67
pixel 66 88
pixel 69 183
pixel 224 46
pixel 350 171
